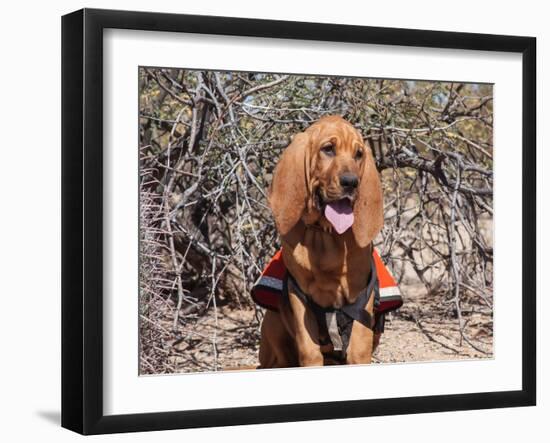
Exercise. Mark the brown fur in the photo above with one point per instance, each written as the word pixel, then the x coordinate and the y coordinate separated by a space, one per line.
pixel 329 267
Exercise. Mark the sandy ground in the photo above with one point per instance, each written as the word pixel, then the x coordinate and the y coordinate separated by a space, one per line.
pixel 420 331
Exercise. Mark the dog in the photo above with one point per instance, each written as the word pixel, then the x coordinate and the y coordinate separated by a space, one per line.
pixel 327 203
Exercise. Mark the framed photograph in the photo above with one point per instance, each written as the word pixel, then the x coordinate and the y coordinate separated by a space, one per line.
pixel 269 221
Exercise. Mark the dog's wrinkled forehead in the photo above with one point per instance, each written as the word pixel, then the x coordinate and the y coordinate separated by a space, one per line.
pixel 337 130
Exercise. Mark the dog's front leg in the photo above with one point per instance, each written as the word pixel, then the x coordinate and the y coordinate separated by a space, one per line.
pixel 306 332
pixel 361 343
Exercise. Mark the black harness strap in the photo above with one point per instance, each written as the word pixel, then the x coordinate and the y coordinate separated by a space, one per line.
pixel 346 314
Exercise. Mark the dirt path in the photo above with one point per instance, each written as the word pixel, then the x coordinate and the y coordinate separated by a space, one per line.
pixel 421 331
pixel 408 341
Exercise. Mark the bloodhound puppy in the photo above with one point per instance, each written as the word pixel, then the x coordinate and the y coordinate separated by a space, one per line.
pixel 327 202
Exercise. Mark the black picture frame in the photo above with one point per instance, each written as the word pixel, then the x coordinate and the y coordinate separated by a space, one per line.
pixel 82 218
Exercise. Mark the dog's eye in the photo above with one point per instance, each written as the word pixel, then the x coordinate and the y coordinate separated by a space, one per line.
pixel 359 154
pixel 328 150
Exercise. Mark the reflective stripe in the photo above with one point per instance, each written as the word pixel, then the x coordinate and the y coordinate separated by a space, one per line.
pixel 332 327
pixel 390 291
pixel 271 282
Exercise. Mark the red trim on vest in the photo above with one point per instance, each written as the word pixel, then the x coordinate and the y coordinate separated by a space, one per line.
pixel 268 289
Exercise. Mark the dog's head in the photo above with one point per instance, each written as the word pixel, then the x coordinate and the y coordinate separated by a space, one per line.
pixel 328 172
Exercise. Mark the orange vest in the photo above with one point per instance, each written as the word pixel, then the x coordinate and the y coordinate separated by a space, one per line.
pixel 267 290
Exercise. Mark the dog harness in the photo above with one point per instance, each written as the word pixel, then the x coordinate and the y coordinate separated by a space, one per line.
pixel 335 324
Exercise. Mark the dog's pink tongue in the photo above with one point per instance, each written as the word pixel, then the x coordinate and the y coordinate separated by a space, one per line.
pixel 340 215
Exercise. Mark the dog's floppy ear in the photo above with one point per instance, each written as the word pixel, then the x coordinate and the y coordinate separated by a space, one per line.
pixel 289 187
pixel 368 210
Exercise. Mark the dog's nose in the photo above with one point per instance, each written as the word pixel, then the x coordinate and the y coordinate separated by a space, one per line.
pixel 349 180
